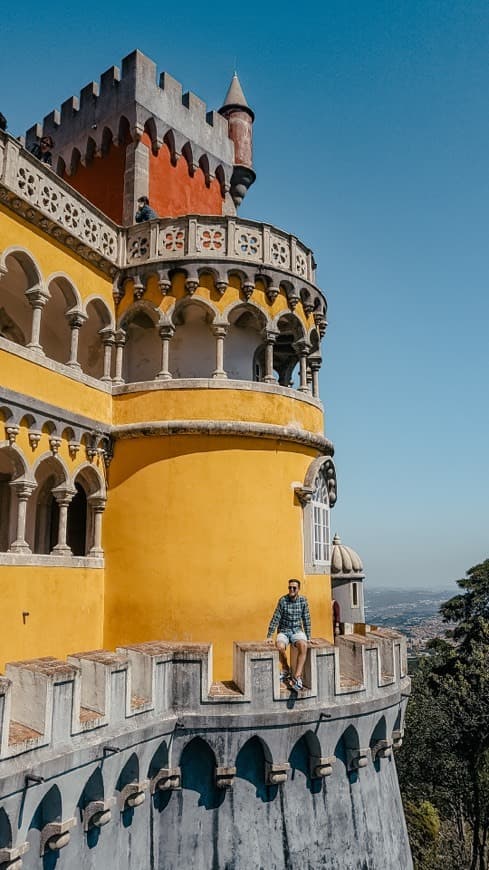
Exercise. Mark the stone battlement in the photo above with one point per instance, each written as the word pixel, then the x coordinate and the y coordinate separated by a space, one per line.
pixel 135 93
pixel 46 703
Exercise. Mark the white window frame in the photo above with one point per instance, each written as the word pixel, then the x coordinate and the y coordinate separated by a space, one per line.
pixel 317 529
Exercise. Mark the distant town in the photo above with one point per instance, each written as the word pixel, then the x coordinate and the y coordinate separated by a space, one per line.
pixel 414 612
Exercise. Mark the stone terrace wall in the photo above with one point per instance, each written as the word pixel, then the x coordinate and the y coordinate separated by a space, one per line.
pixel 138 760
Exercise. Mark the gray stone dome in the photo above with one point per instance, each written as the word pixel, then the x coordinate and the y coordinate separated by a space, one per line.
pixel 345 562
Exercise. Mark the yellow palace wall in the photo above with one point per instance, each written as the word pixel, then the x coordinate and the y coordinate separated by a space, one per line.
pixel 203 533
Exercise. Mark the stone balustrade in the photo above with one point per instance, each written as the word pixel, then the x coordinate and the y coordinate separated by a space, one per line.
pixel 215 238
pixel 36 192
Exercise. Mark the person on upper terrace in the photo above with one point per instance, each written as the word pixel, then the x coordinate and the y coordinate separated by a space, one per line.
pixel 43 149
pixel 145 212
pixel 293 621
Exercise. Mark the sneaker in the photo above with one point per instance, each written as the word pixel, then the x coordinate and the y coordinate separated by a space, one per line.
pixel 297 684
pixel 285 676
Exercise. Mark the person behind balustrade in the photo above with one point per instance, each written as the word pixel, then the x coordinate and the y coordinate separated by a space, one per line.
pixel 43 149
pixel 145 212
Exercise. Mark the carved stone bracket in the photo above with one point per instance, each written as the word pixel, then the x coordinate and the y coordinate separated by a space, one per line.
pixel 56 835
pixel 224 777
pixel 276 773
pixel 133 795
pixel 167 779
pixel 356 759
pixel 11 857
pixel 97 813
pixel 382 749
pixel 321 766
pixel 397 737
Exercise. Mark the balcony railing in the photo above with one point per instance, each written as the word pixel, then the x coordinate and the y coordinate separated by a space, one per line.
pixel 216 238
pixel 44 198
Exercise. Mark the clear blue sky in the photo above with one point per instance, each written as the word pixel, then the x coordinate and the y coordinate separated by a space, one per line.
pixel 371 144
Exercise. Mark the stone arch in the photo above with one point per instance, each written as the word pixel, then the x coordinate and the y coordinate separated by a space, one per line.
pixel 244 345
pixel 188 155
pixel 169 141
pixel 250 766
pixel 20 277
pixel 106 141
pixel 48 810
pixel 204 166
pixel 142 349
pixel 123 131
pixel 75 161
pixel 193 347
pixel 88 500
pixel 52 477
pixel 198 766
pixel 99 322
pixel 290 330
pixel 151 130
pixel 90 150
pixel 55 335
pixel 221 177
pixel 13 468
pixel 129 773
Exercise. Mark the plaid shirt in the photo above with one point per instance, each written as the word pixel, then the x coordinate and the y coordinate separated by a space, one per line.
pixel 291 616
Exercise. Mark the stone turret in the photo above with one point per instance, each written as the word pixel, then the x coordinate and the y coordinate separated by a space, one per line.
pixel 240 119
pixel 347 578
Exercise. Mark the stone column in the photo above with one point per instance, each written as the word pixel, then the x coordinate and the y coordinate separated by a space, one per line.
pixel 136 176
pixel 76 321
pixel 97 504
pixel 219 331
pixel 37 299
pixel 24 490
pixel 108 340
pixel 315 365
pixel 166 332
pixel 120 340
pixel 63 496
pixel 270 338
pixel 302 348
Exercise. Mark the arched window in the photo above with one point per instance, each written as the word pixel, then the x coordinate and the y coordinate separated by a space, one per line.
pixel 317 496
pixel 321 540
pixel 76 535
pixel 84 522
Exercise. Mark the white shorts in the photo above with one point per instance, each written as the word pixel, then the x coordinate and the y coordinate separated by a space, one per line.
pixel 290 637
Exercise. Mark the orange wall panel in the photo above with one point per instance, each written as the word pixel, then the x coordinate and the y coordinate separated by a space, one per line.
pixel 102 182
pixel 173 192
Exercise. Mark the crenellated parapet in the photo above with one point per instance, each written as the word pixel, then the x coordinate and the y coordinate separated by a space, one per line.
pixel 48 703
pixel 146 102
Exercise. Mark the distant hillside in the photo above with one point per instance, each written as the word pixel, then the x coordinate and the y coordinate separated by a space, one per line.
pixel 402 607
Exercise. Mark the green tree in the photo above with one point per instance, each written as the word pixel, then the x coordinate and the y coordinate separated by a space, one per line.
pixel 446 754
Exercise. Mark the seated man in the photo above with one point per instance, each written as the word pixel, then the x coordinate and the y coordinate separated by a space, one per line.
pixel 293 621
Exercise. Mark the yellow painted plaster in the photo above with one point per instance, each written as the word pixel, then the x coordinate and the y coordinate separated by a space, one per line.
pixel 219 404
pixel 203 534
pixel 65 607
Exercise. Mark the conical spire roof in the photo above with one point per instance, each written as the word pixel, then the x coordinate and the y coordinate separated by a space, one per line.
pixel 235 95
pixel 235 98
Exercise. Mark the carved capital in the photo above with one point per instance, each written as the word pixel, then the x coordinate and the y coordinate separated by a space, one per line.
pixel 37 297
pixel 34 438
pixel 120 337
pixel 76 319
pixel 166 331
pixel 12 432
pixel 304 494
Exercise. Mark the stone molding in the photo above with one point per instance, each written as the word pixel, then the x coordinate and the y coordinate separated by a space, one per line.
pixel 225 428
pixel 48 561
